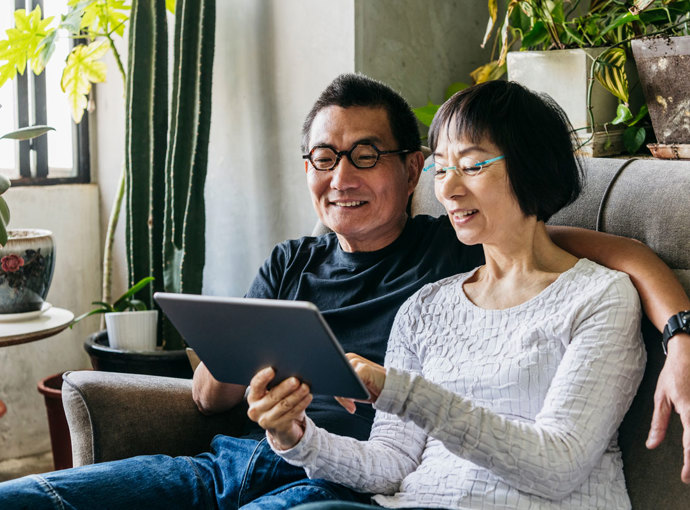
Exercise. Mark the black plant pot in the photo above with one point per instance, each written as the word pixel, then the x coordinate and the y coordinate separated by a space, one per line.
pixel 164 363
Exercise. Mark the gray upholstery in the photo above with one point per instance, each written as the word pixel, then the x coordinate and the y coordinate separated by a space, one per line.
pixel 114 416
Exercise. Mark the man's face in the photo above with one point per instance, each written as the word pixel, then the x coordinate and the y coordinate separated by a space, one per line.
pixel 364 207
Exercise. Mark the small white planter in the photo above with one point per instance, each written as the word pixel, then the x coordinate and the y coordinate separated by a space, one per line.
pixel 564 75
pixel 133 331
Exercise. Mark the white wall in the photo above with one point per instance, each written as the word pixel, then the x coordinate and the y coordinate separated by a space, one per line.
pixel 273 58
pixel 71 213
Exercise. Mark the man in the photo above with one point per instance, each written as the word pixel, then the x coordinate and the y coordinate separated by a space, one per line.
pixel 362 162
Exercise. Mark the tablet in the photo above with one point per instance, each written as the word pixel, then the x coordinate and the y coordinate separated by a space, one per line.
pixel 236 337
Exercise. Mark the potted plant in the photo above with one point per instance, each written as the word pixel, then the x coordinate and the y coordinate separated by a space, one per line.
pixel 162 190
pixel 129 323
pixel 27 256
pixel 578 53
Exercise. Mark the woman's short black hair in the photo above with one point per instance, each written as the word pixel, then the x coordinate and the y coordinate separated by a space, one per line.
pixel 532 132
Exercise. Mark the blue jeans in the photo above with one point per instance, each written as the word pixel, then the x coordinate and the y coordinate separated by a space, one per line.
pixel 238 473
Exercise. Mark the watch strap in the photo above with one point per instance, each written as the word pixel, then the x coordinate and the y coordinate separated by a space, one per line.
pixel 679 322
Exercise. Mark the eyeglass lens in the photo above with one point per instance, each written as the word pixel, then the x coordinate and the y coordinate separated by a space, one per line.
pixel 361 155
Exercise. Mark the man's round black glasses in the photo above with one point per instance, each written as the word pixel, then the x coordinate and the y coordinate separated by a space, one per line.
pixel 361 155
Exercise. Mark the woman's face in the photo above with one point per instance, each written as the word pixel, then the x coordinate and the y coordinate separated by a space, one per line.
pixel 480 203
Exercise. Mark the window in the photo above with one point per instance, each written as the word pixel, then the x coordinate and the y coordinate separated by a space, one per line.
pixel 62 155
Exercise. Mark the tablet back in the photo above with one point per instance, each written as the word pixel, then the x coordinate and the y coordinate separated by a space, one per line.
pixel 236 337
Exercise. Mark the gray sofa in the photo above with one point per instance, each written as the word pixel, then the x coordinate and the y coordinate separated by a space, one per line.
pixel 113 416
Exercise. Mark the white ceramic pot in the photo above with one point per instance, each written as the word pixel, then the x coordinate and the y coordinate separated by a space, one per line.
pixel 132 331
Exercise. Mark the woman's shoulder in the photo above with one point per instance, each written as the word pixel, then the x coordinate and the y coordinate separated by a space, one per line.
pixel 591 279
pixel 442 289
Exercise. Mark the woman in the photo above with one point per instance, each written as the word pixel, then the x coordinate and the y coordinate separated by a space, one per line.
pixel 503 387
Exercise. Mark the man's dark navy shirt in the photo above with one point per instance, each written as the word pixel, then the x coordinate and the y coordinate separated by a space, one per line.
pixel 360 293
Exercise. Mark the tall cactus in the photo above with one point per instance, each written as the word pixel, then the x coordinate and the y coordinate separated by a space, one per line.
pixel 165 190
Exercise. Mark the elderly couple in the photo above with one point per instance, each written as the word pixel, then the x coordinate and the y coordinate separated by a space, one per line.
pixel 500 360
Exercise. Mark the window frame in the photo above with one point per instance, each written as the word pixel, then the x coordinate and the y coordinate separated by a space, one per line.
pixel 81 157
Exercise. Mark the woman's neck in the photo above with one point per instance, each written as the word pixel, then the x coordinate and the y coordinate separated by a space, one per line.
pixel 517 268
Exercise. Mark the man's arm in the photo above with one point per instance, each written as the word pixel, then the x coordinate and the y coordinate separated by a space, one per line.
pixel 662 296
pixel 212 396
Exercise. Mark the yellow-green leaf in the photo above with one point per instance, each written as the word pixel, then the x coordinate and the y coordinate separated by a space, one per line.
pixel 105 16
pixel 493 15
pixel 24 43
pixel 83 68
pixel 504 32
pixel 170 5
pixel 609 70
pixel 491 71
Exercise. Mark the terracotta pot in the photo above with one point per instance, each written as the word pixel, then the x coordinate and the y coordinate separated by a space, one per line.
pixel 26 270
pixel 60 440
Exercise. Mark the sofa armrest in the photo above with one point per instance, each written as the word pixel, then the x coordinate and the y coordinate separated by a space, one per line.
pixel 113 416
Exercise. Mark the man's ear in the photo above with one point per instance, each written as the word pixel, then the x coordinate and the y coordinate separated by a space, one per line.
pixel 415 163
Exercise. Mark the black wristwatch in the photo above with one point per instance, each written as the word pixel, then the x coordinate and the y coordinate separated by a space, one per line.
pixel 679 322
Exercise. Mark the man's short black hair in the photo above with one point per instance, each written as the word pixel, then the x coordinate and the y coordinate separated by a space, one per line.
pixel 532 132
pixel 358 90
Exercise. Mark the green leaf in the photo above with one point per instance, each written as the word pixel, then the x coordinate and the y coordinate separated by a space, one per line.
pixel 455 87
pixel 47 47
pixel 623 19
pixel 126 297
pixel 82 69
pixel 622 115
pixel 640 115
pixel 633 138
pixel 535 38
pixel 88 314
pixel 4 184
pixel 425 114
pixel 26 133
pixel 4 220
pixel 72 20
pixel 609 70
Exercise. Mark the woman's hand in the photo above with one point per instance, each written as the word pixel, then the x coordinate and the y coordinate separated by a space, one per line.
pixel 281 410
pixel 372 375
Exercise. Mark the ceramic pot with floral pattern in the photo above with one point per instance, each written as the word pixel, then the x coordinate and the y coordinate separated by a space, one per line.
pixel 26 269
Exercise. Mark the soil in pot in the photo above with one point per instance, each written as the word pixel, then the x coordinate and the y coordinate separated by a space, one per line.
pixel 163 363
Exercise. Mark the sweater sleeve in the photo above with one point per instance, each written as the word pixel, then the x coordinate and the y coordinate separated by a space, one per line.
pixel 378 465
pixel 587 399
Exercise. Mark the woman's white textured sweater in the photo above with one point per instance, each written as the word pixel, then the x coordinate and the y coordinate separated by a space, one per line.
pixel 514 408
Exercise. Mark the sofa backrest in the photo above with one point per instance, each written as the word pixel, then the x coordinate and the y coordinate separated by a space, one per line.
pixel 648 200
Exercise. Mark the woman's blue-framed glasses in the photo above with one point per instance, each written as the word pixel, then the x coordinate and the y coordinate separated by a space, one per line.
pixel 467 166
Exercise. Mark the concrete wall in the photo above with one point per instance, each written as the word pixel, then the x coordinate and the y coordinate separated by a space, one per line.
pixel 71 213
